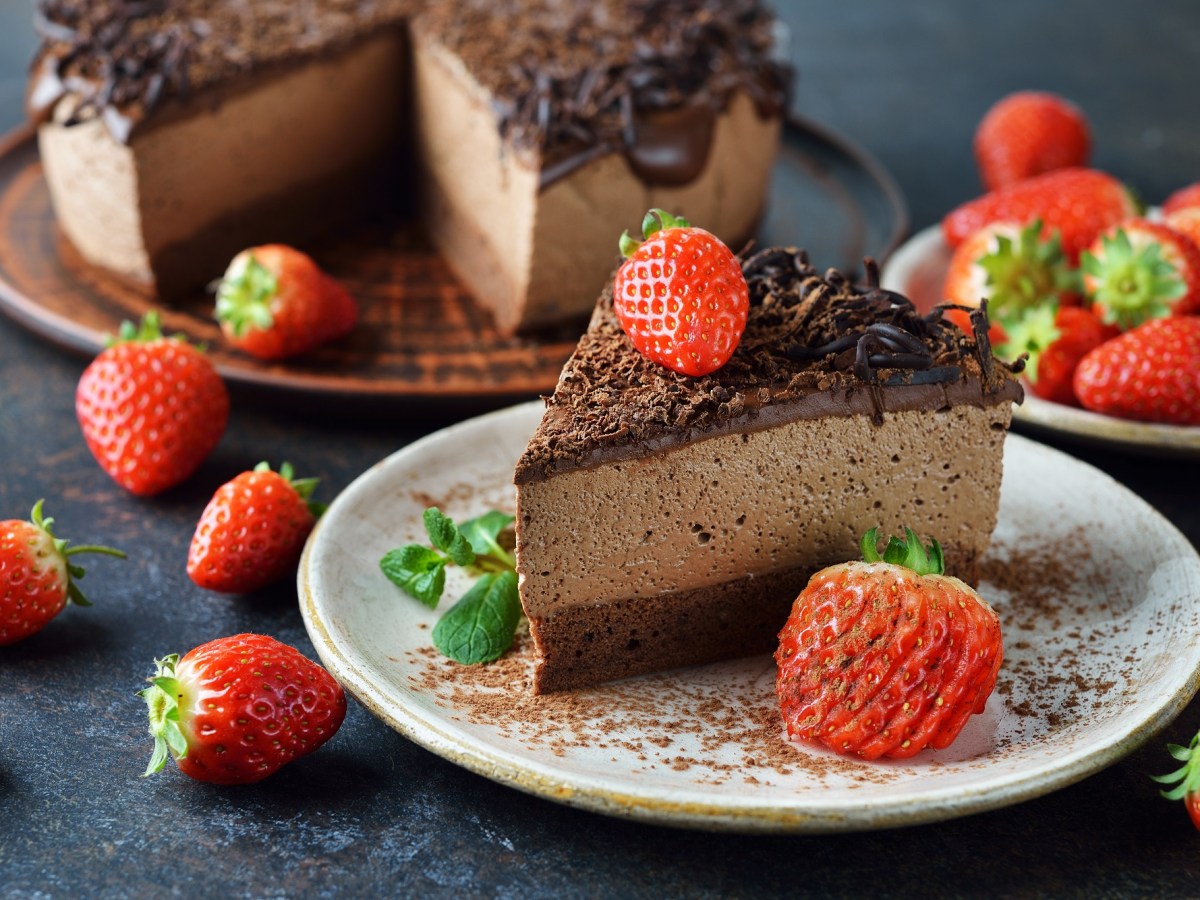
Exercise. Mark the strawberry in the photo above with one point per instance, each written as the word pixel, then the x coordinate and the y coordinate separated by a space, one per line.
pixel 152 408
pixel 1056 339
pixel 1151 373
pixel 237 709
pixel 1078 203
pixel 36 575
pixel 888 656
pixel 681 295
pixel 253 530
pixel 1028 133
pixel 1185 221
pixel 1141 270
pixel 1184 198
pixel 274 302
pixel 1012 267
pixel 1188 777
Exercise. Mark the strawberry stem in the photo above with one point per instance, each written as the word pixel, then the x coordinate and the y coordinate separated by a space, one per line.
pixel 655 220
pixel 162 700
pixel 61 546
pixel 1188 775
pixel 1030 331
pixel 1132 284
pixel 244 296
pixel 909 553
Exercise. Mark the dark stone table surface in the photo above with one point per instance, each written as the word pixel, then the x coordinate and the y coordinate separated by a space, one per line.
pixel 373 814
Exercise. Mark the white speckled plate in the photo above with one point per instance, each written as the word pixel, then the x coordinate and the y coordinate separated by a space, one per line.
pixel 917 270
pixel 1098 594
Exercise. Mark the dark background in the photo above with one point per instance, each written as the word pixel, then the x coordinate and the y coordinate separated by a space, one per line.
pixel 374 814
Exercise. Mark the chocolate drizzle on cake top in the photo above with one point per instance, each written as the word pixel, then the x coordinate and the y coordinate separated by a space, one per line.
pixel 815 345
pixel 571 77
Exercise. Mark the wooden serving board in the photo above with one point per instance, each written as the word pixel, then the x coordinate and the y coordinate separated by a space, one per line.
pixel 421 337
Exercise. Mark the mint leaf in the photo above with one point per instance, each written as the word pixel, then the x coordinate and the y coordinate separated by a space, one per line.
pixel 480 626
pixel 444 535
pixel 482 532
pixel 418 571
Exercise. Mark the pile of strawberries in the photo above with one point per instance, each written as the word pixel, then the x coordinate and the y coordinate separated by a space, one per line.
pixel 1104 299
pixel 152 408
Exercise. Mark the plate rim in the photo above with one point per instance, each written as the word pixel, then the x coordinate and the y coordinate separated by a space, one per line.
pixel 1045 415
pixel 748 817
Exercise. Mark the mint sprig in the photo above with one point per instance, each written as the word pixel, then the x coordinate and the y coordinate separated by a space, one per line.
pixel 480 626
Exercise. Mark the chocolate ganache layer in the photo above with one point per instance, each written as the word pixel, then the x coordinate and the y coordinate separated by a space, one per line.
pixel 815 345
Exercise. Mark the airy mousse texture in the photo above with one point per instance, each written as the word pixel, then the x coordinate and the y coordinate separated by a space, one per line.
pixel 540 129
pixel 664 520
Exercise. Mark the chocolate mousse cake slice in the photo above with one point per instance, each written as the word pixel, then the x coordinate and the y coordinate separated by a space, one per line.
pixel 545 127
pixel 664 520
pixel 174 133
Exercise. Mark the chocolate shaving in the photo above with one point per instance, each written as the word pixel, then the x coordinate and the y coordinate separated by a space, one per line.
pixel 598 64
pixel 120 60
pixel 807 334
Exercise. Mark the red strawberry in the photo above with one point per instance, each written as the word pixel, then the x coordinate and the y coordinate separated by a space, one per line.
pixel 1188 778
pixel 36 575
pixel 1142 270
pixel 275 302
pixel 1184 198
pixel 1151 373
pixel 1186 221
pixel 1078 203
pixel 886 657
pixel 1012 267
pixel 1056 339
pixel 152 408
pixel 1028 133
pixel 681 295
pixel 252 531
pixel 237 709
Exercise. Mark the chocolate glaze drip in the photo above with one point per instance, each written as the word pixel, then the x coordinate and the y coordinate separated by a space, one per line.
pixel 815 345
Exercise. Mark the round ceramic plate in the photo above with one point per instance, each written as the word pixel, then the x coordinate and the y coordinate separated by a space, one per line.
pixel 422 338
pixel 917 270
pixel 1101 613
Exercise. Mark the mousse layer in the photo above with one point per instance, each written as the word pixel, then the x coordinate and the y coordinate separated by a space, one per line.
pixel 665 520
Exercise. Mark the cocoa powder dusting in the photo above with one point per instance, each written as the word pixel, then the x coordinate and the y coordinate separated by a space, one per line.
pixel 693 722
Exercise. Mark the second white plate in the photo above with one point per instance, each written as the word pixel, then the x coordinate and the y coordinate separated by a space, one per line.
pixel 1098 594
pixel 917 270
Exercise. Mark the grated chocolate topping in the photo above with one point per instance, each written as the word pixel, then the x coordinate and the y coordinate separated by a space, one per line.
pixel 820 343
pixel 122 59
pixel 577 73
pixel 564 73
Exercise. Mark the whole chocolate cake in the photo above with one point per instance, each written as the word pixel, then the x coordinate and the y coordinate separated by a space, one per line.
pixel 664 520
